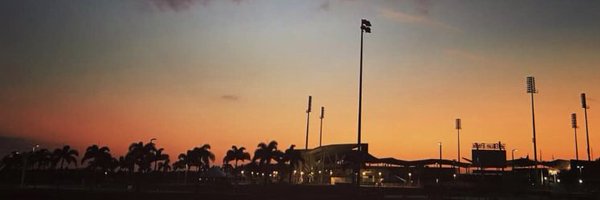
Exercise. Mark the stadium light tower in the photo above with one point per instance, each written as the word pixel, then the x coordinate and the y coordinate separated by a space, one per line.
pixel 321 126
pixel 307 120
pixel 531 90
pixel 440 145
pixel 458 126
pixel 587 136
pixel 574 126
pixel 365 26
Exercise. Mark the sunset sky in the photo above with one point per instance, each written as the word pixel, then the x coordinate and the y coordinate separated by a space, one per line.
pixel 238 72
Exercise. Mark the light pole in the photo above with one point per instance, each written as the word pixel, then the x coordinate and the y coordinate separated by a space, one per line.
pixel 307 120
pixel 458 127
pixel 321 126
pixel 25 157
pixel 587 136
pixel 365 26
pixel 531 90
pixel 440 145
pixel 574 126
pixel 513 158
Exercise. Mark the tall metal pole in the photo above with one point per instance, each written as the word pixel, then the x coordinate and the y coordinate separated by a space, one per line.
pixel 531 89
pixel 587 136
pixel 574 126
pixel 458 127
pixel 364 27
pixel 321 126
pixel 440 145
pixel 307 120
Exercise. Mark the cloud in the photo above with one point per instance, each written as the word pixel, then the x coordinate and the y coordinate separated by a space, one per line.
pixel 325 6
pixel 403 17
pixel 180 5
pixel 9 144
pixel 423 6
pixel 229 97
pixel 466 55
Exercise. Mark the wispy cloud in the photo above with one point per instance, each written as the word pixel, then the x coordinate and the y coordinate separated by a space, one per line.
pixel 466 55
pixel 426 20
pixel 325 6
pixel 180 5
pixel 229 97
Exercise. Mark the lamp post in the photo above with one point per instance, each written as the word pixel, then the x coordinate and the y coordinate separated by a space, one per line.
pixel 365 26
pixel 587 136
pixel 307 120
pixel 574 126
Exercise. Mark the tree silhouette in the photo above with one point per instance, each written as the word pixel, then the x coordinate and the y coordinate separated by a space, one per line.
pixel 159 156
pixel 164 166
pixel 236 154
pixel 65 155
pixel 293 158
pixel 200 157
pixel 142 155
pixel 265 153
pixel 98 158
pixel 41 158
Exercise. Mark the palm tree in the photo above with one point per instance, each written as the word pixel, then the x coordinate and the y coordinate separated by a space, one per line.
pixel 142 155
pixel 236 154
pixel 42 158
pixel 159 156
pixel 200 157
pixel 66 154
pixel 164 166
pixel 293 158
pixel 97 157
pixel 265 153
pixel 12 161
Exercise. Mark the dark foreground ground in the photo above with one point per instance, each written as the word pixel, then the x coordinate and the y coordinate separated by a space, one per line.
pixel 273 192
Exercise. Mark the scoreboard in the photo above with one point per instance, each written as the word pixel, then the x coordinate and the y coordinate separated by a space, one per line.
pixel 488 155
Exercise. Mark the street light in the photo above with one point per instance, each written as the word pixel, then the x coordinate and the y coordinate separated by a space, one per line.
pixel 365 26
pixel 587 136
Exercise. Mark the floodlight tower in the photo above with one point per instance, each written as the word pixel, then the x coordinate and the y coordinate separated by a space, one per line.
pixel 587 136
pixel 321 126
pixel 574 126
pixel 531 90
pixel 307 120
pixel 458 126
pixel 440 161
pixel 365 26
